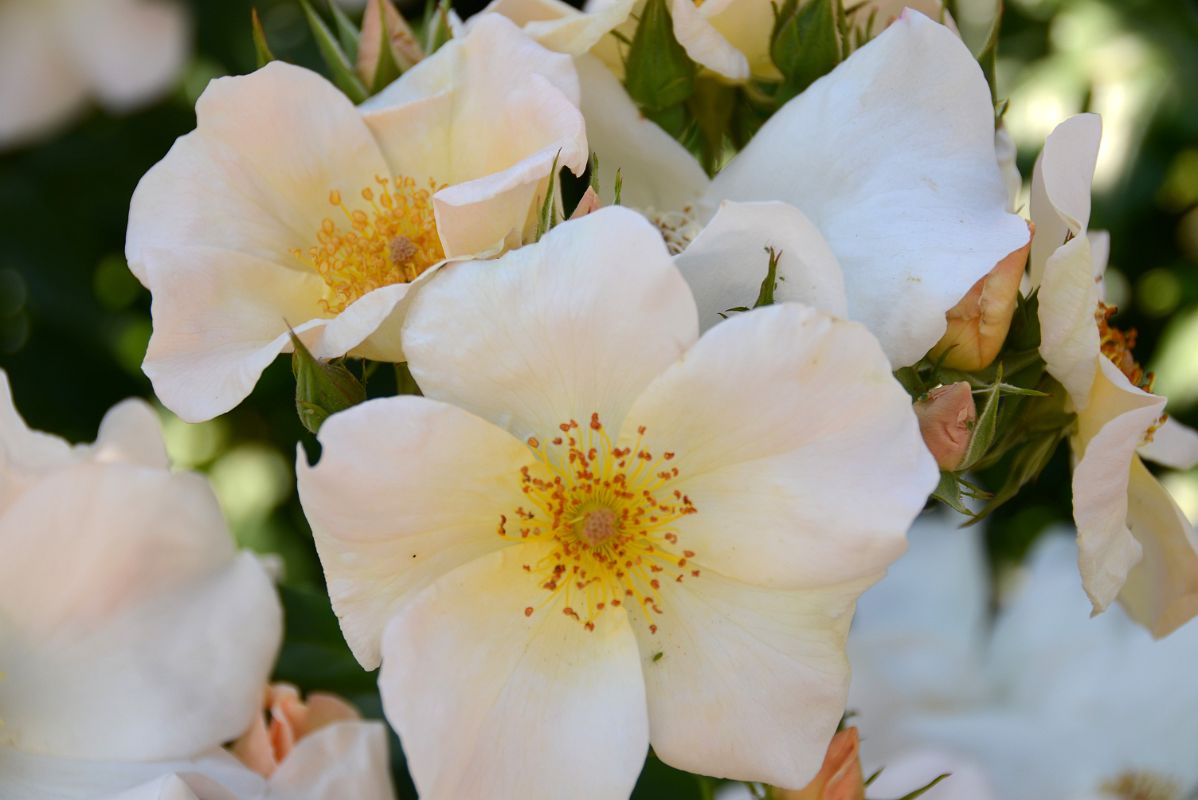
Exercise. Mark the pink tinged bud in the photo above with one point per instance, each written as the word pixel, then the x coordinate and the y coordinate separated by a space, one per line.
pixel 978 325
pixel 946 418
pixel 840 777
pixel 590 202
pixel 287 720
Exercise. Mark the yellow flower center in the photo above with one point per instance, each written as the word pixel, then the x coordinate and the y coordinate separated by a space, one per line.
pixel 1117 345
pixel 392 239
pixel 608 517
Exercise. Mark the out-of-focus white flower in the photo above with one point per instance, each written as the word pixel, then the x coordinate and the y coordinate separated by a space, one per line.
pixel 132 631
pixel 1134 542
pixel 135 640
pixel 289 206
pixel 1044 703
pixel 597 531
pixel 55 54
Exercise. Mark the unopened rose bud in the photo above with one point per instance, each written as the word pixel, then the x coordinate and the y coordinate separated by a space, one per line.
pixel 287 720
pixel 589 202
pixel 946 419
pixel 978 325
pixel 840 777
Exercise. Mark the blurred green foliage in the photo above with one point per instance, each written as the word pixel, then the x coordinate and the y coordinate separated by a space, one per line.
pixel 74 323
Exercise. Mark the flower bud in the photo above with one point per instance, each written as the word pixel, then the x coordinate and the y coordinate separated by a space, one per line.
pixel 978 325
pixel 287 720
pixel 840 777
pixel 946 418
pixel 589 202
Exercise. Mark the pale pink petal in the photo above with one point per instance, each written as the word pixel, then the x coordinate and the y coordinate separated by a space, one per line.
pixel 1060 199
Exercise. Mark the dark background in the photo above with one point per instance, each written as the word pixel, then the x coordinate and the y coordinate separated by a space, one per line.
pixel 74 323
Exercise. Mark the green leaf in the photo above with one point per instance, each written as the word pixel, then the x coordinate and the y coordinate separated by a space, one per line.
pixel 340 67
pixel 805 44
pixel 347 32
pixel 925 789
pixel 261 48
pixel 1025 466
pixel 322 388
pixel 657 71
pixel 949 493
pixel 405 383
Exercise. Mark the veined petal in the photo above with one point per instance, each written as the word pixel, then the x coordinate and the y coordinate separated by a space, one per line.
pixel 1069 341
pixel 491 702
pixel 220 317
pixel 744 682
pixel 576 324
pixel 657 171
pixel 1172 445
pixel 1161 592
pixel 255 175
pixel 727 262
pixel 406 490
pixel 1060 200
pixel 343 760
pixel 130 50
pixel 1111 427
pixel 559 26
pixel 896 167
pixel 132 629
pixel 804 461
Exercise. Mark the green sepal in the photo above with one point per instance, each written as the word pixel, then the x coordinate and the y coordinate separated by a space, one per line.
pixel 547 218
pixel 658 73
pixel 261 48
pixel 769 284
pixel 322 388
pixel 948 491
pixel 436 27
pixel 347 32
pixel 921 791
pixel 405 382
pixel 985 427
pixel 340 67
pixel 711 106
pixel 805 44
pixel 387 69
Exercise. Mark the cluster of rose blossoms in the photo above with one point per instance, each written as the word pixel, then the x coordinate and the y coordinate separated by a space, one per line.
pixel 652 443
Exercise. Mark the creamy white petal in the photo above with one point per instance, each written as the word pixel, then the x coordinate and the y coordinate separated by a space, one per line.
pixel 1110 429
pixel 560 26
pixel 804 461
pixel 1173 445
pixel 130 50
pixel 1060 199
pixel 705 44
pixel 896 167
pixel 130 432
pixel 134 631
pixel 344 760
pixel 220 317
pixel 491 702
pixel 406 490
pixel 727 262
pixel 40 85
pixel 745 682
pixel 1068 300
pixel 657 172
pixel 255 175
pixel 1161 592
pixel 25 455
pixel 576 324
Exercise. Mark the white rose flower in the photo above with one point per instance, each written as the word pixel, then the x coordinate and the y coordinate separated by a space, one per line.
pixel 1039 703
pixel 134 639
pixel 1134 543
pixel 597 531
pixel 289 206
pixel 56 54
